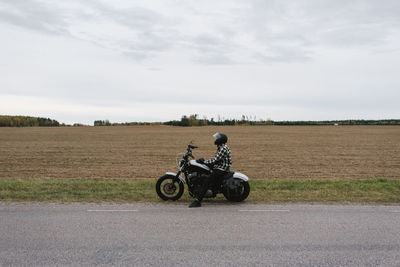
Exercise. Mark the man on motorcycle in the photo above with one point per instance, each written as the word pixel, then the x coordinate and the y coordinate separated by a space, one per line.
pixel 220 164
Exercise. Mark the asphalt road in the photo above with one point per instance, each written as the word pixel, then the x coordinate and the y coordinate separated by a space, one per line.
pixel 214 235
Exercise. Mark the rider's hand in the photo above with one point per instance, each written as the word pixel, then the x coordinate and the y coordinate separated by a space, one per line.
pixel 200 160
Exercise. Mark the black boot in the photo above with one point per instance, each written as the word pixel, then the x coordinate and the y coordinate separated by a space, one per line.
pixel 195 204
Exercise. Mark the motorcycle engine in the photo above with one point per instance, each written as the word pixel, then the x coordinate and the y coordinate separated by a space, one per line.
pixel 196 178
pixel 196 182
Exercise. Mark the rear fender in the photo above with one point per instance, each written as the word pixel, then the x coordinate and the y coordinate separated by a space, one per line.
pixel 240 176
pixel 174 174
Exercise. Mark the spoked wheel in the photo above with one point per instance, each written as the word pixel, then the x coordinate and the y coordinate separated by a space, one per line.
pixel 237 191
pixel 169 188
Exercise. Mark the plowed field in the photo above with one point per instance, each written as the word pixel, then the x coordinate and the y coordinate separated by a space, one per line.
pixel 149 151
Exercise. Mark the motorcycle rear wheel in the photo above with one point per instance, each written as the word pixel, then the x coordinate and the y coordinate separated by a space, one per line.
pixel 168 187
pixel 243 194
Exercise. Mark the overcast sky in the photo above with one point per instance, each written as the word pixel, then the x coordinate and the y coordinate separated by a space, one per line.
pixel 78 61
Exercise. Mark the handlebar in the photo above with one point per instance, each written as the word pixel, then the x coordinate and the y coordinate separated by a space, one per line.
pixel 189 151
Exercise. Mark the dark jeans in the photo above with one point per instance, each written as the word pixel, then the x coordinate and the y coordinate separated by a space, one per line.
pixel 207 182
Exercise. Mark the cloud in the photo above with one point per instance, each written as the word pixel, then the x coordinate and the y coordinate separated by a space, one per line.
pixel 287 60
pixel 144 32
pixel 232 32
pixel 33 15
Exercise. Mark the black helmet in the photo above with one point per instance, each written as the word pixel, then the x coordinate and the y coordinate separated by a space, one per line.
pixel 220 138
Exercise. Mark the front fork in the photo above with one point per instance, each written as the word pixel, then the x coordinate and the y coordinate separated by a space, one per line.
pixel 179 178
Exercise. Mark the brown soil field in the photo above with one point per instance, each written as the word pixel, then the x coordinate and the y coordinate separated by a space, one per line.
pixel 273 152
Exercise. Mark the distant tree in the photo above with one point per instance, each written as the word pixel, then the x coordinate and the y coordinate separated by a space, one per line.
pixel 26 121
pixel 102 123
pixel 193 121
pixel 185 121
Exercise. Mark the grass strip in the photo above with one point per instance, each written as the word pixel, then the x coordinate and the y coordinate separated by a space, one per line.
pixel 380 190
pixel 383 191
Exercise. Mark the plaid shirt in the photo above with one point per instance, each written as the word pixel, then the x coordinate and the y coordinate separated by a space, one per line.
pixel 222 159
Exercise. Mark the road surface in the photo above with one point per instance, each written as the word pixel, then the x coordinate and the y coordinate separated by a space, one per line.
pixel 217 234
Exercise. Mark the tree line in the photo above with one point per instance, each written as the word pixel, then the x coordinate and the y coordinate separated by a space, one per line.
pixel 26 121
pixel 188 121
pixel 339 122
pixel 194 120
pixel 108 123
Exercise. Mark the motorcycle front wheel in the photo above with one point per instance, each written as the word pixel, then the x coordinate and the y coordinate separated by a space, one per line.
pixel 238 195
pixel 168 187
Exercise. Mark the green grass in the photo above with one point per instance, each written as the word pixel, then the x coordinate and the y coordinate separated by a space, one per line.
pixel 323 190
pixel 265 191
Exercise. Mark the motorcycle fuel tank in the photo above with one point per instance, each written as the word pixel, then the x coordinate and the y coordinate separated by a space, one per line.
pixel 198 167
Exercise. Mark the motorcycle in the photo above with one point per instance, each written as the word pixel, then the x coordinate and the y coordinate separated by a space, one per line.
pixel 234 185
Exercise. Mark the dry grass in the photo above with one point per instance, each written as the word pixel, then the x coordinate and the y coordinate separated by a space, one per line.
pixel 275 152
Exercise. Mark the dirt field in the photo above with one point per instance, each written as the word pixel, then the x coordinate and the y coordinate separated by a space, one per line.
pixel 150 151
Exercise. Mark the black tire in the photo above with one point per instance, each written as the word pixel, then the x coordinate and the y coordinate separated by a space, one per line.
pixel 244 193
pixel 169 190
